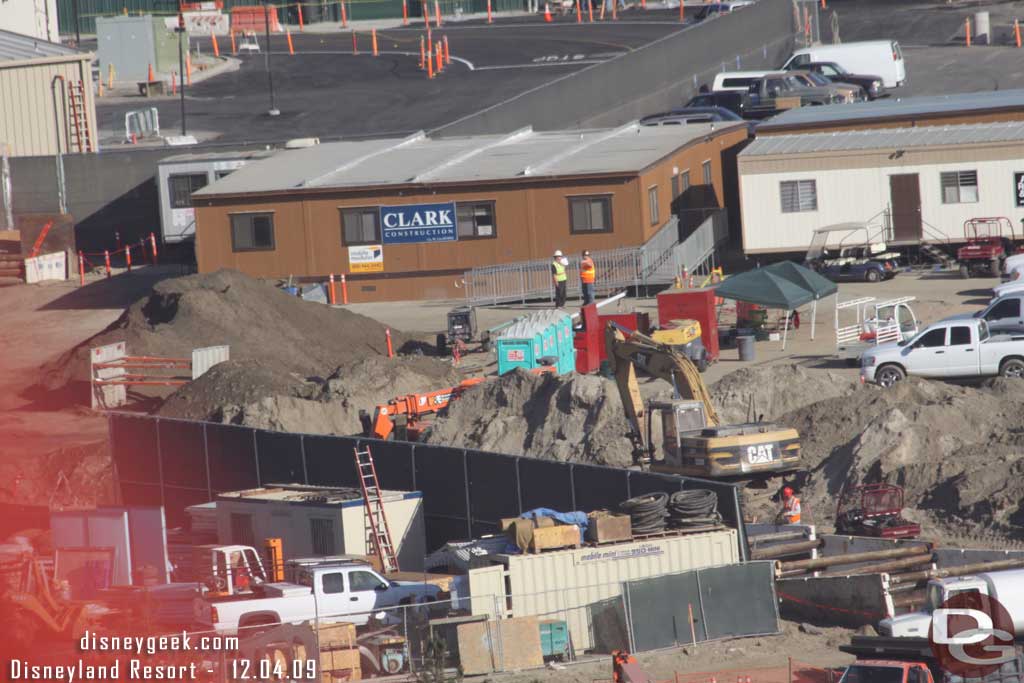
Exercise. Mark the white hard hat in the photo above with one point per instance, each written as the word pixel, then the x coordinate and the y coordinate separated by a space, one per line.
pixel 558 252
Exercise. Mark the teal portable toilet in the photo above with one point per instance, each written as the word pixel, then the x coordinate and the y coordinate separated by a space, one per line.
pixel 542 338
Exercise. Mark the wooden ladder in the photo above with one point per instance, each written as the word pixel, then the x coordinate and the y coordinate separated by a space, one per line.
pixel 378 534
pixel 80 135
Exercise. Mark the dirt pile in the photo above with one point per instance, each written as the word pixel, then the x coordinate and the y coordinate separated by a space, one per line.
pixel 575 418
pixel 957 450
pixel 258 321
pixel 773 391
pixel 252 393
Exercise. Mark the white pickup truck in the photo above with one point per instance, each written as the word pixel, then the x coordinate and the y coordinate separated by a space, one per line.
pixel 345 591
pixel 947 349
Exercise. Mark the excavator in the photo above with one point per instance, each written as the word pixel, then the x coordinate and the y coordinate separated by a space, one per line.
pixel 694 442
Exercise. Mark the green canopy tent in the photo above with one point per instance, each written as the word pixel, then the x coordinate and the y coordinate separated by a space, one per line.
pixel 805 278
pixel 784 285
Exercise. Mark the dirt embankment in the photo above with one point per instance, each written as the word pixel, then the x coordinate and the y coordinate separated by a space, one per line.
pixel 576 418
pixel 258 321
pixel 257 395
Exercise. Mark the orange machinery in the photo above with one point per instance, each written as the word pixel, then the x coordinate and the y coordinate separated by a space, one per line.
pixel 400 417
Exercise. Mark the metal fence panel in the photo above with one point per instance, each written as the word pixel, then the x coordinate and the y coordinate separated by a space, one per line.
pixel 658 622
pixel 232 457
pixel 280 458
pixel 739 600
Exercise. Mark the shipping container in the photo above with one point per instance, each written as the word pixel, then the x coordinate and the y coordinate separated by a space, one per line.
pixel 562 584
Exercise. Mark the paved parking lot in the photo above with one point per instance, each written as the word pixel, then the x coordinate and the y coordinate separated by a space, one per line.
pixel 326 91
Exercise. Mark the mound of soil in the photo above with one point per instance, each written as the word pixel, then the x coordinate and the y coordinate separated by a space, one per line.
pixel 258 321
pixel 254 394
pixel 576 418
pixel 958 451
pixel 773 391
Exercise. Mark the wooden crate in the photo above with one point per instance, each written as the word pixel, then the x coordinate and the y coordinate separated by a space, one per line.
pixel 478 650
pixel 336 636
pixel 605 527
pixel 560 536
pixel 337 664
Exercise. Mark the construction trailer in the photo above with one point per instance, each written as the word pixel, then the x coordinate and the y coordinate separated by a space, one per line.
pixel 317 521
pixel 178 176
pixel 566 584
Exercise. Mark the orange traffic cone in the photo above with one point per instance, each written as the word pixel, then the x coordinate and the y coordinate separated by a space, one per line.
pixel 547 13
pixel 151 77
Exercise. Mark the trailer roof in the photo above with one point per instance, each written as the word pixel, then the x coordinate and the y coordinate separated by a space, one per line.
pixel 894 107
pixel 887 138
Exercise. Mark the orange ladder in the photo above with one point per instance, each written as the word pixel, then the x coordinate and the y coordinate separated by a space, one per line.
pixel 378 534
pixel 80 135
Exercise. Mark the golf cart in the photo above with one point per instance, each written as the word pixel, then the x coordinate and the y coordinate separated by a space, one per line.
pixel 854 257
pixel 989 242
pixel 877 322
pixel 874 510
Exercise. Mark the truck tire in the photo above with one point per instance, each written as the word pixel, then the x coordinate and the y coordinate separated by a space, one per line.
pixel 965 272
pixel 887 375
pixel 872 275
pixel 1012 367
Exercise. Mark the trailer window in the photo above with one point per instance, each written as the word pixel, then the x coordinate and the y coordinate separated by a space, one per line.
pixel 959 187
pixel 360 226
pixel 181 186
pixel 798 195
pixel 590 214
pixel 475 219
pixel 252 232
pixel 652 203
pixel 322 533
pixel 241 529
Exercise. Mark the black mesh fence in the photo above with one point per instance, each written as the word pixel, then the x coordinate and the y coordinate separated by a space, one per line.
pixel 465 492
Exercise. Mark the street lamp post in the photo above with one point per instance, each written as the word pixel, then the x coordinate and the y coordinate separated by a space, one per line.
pixel 273 111
pixel 180 30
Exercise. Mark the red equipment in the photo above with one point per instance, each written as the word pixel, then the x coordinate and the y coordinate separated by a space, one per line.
pixel 693 304
pixel 874 510
pixel 989 242
pixel 400 417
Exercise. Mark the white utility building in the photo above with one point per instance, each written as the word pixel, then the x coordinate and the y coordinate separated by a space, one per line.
pixel 917 184
pixel 314 521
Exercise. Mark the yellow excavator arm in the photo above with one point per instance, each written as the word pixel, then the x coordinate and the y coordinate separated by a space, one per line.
pixel 628 350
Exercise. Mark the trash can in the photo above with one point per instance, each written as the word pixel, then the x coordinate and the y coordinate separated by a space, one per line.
pixel 745 344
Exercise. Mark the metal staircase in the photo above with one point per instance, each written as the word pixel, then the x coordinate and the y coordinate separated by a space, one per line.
pixel 937 255
pixel 378 534
pixel 79 128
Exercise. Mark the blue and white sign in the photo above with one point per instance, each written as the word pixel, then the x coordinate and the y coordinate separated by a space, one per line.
pixel 418 223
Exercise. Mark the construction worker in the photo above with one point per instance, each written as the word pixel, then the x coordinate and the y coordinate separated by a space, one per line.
pixel 588 273
pixel 558 264
pixel 790 513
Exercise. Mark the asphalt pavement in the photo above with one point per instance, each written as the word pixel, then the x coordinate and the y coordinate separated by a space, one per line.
pixel 331 88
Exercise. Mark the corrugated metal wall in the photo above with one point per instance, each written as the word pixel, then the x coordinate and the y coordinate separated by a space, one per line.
pixel 26 115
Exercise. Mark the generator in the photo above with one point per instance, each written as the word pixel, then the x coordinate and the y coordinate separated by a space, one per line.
pixel 462 327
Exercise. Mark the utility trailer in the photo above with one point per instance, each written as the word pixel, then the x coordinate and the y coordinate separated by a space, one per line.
pixel 876 322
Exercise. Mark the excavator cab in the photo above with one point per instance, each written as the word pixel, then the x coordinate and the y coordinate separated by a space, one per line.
pixel 678 418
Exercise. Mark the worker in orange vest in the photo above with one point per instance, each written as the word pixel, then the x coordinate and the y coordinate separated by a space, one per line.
pixel 588 273
pixel 790 513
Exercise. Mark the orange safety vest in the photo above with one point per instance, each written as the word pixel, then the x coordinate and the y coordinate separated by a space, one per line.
pixel 791 510
pixel 587 271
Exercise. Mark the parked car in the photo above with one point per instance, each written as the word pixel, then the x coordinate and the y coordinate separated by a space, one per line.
pixel 872 85
pixel 1005 313
pixel 713 9
pixel 348 591
pixel 882 57
pixel 690 115
pixel 780 91
pixel 736 102
pixel 737 81
pixel 852 93
pixel 947 349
